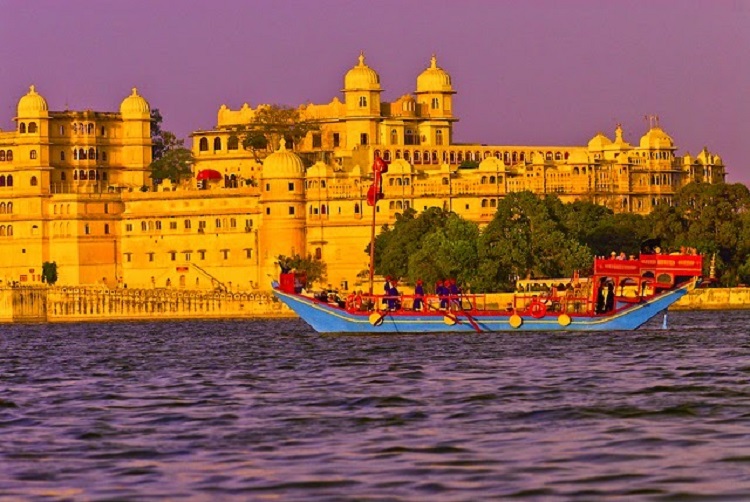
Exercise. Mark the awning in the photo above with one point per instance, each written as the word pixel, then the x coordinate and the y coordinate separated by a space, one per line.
pixel 209 174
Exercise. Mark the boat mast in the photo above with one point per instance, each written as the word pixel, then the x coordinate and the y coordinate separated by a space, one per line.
pixel 379 166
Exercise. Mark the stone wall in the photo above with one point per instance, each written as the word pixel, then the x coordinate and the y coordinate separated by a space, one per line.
pixel 100 304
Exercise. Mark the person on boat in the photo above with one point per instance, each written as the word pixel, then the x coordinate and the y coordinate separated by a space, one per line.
pixel 609 304
pixel 387 288
pixel 394 302
pixel 454 293
pixel 441 294
pixel 600 298
pixel 418 295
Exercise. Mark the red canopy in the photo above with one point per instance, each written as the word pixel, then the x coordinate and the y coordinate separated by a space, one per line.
pixel 209 174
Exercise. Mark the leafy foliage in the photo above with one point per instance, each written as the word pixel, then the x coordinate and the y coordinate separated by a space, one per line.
pixel 49 272
pixel 315 269
pixel 170 159
pixel 272 123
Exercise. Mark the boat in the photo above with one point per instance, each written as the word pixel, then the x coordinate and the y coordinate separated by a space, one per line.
pixel 622 294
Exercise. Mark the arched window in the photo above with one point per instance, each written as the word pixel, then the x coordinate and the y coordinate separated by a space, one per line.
pixel 2 207
pixel 484 180
pixel 218 222
pixel 492 180
pixel 438 137
pixel 233 143
pixel 32 127
pixel 81 175
pixel 356 208
pixel 10 230
pixel 417 157
pixel 394 137
pixel 392 205
pixel 89 128
pixel 434 157
pixel 10 180
pixel 435 104
pixel 203 145
pixel 410 137
pixel 2 230
pixel 92 174
pixel 493 203
pixel 217 143
pixel 144 226
pixel 323 209
pixel 33 181
pixel 399 204
pixel 9 155
pixel 75 175
pixel 484 202
pixel 406 182
pixel 391 181
pixel 362 101
pixel 104 156
pixel 32 154
pixel 387 156
pixel 22 128
pixel 2 155
pixel 81 154
pixel 92 154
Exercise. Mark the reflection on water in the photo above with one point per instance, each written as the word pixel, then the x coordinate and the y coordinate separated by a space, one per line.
pixel 269 409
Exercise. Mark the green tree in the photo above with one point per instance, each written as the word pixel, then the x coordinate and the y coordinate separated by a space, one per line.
pixel 175 161
pixel 524 240
pixel 270 124
pixel 49 272
pixel 315 269
pixel 447 251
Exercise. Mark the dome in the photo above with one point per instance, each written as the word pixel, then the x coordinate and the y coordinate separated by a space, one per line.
pixel 32 104
pixel 320 170
pixel 361 77
pixel 578 157
pixel 656 138
pixel 134 104
pixel 491 164
pixel 598 142
pixel 283 164
pixel 434 79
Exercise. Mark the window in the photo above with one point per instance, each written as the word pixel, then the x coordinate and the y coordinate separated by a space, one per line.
pixel 33 181
pixel 363 102
pixel 233 143
pixel 106 228
pixel 291 187
pixel 438 137
pixel 9 155
pixel 62 156
pixel 2 155
pixel 187 224
pixel 202 224
pixel 268 210
pixel 202 254
pixel 435 104
pixel 318 253
pixel 104 156
pixel 188 255
pixel 32 154
pixel 128 256
pixel 248 223
pixel 363 140
pixel 268 187
pixel 356 208
pixel 317 140
pixel 336 140
pixel 291 210
pixel 225 253
pixel 62 130
pixel 232 223
pixel 63 176
pixel 158 224
pixel 22 128
pixel 173 225
pixel 203 145
pixel 248 253
pixel 129 227
pixel 394 137
pixel 173 255
pixel 218 222
pixel 103 131
pixel 86 229
pixel 217 143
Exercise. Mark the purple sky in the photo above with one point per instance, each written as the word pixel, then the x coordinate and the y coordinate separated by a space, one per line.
pixel 527 72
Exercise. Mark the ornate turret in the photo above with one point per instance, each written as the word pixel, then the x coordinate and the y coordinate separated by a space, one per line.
pixel 32 105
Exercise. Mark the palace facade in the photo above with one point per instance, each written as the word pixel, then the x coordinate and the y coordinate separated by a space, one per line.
pixel 75 186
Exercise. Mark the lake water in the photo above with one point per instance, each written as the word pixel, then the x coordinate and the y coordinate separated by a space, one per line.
pixel 270 410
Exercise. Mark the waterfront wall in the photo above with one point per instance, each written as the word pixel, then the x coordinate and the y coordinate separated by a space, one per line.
pixel 59 304
pixel 40 304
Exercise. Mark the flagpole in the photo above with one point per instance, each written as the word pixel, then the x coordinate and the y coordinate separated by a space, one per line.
pixel 379 166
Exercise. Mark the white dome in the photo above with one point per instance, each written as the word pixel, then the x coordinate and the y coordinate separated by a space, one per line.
pixel 135 104
pixel 283 164
pixel 32 104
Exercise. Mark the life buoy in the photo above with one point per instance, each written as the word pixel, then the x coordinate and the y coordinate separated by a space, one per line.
pixel 537 309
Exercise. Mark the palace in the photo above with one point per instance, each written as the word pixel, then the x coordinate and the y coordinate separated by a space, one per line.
pixel 75 187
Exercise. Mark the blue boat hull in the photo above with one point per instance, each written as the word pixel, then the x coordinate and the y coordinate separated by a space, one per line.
pixel 326 318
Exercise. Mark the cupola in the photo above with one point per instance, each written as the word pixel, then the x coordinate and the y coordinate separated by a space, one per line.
pixel 32 104
pixel 434 79
pixel 134 104
pixel 362 77
pixel 283 164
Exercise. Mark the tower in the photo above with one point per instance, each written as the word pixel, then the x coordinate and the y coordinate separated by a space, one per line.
pixel 362 99
pixel 136 142
pixel 435 102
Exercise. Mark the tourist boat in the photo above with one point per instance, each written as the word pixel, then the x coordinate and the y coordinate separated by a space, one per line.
pixel 621 295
